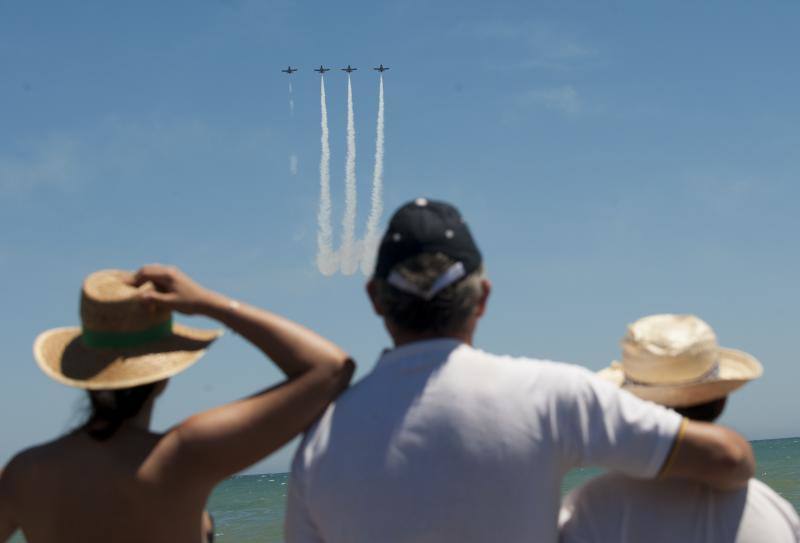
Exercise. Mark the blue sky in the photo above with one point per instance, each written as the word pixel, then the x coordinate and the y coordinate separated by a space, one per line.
pixel 613 160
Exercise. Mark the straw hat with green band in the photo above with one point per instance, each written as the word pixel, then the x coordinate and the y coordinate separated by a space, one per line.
pixel 122 342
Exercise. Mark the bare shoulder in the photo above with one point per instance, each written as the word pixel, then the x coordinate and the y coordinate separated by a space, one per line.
pixel 170 460
pixel 27 459
pixel 19 469
pixel 31 461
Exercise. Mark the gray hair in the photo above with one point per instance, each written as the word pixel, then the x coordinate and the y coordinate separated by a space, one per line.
pixel 446 312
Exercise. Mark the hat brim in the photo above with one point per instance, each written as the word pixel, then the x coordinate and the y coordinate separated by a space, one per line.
pixel 62 356
pixel 736 368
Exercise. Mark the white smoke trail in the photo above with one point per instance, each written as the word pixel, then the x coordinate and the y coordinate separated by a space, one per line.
pixel 326 258
pixel 293 156
pixel 348 256
pixel 371 240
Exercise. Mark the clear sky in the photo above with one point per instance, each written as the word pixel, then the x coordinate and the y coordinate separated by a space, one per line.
pixel 614 159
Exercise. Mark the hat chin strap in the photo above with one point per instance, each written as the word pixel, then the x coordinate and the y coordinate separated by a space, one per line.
pixel 450 276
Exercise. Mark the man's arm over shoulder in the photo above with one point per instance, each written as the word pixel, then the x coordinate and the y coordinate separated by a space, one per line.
pixel 612 428
pixel 597 424
pixel 8 521
pixel 710 454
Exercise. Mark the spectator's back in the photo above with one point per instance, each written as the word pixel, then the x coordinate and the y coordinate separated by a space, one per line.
pixel 443 442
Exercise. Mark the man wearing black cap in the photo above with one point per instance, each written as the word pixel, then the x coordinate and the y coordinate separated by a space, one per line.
pixel 442 442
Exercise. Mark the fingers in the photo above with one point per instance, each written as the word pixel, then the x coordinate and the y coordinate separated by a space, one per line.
pixel 155 298
pixel 173 289
pixel 161 276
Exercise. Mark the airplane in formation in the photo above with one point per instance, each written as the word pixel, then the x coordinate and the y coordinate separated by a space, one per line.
pixel 322 69
pixel 289 70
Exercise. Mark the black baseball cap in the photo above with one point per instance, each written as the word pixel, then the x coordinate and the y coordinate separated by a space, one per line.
pixel 427 226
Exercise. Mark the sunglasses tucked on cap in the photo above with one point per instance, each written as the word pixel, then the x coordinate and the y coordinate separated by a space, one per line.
pixel 427 226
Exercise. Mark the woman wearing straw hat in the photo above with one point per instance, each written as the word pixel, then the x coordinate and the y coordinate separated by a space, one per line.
pixel 674 360
pixel 113 479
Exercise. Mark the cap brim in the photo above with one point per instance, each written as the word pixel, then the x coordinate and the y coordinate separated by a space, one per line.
pixel 736 368
pixel 62 356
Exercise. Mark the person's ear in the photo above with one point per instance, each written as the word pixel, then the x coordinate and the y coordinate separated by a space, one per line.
pixel 486 290
pixel 372 293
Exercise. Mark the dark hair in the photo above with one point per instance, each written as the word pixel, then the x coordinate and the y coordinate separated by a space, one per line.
pixel 447 312
pixel 704 412
pixel 110 408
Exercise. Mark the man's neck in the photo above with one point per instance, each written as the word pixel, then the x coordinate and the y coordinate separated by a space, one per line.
pixel 404 338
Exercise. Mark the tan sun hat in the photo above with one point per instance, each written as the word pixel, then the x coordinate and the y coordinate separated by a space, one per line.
pixel 123 342
pixel 674 360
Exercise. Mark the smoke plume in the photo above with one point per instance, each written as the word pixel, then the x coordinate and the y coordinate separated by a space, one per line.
pixel 347 254
pixel 371 240
pixel 326 258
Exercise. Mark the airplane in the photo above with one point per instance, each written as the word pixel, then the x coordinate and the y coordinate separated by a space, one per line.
pixel 349 69
pixel 381 68
pixel 322 69
pixel 289 70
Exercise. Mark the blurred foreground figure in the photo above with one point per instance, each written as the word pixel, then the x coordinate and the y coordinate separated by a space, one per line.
pixel 442 442
pixel 113 480
pixel 674 360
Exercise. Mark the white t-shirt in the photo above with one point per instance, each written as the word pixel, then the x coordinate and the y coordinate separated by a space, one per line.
pixel 445 443
pixel 620 509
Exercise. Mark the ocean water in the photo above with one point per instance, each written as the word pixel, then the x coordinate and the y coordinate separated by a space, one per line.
pixel 249 508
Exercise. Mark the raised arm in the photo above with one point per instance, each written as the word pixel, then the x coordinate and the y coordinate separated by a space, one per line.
pixel 710 454
pixel 222 441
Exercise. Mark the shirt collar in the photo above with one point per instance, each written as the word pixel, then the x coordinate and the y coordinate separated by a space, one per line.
pixel 418 349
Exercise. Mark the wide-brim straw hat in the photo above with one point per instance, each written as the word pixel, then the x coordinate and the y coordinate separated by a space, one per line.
pixel 122 342
pixel 674 360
